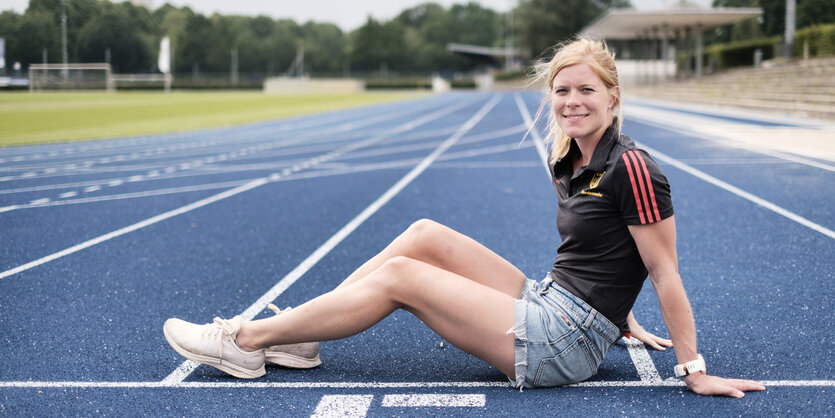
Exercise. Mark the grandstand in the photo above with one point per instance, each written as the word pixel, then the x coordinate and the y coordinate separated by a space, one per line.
pixel 803 88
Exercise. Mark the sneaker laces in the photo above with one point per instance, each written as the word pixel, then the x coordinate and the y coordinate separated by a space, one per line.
pixel 217 330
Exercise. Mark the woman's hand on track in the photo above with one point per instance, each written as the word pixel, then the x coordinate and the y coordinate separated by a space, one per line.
pixel 639 333
pixel 704 384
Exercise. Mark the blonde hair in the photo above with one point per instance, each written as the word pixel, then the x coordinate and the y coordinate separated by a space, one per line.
pixel 577 51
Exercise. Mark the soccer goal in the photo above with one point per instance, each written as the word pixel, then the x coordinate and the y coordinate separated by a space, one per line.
pixel 71 76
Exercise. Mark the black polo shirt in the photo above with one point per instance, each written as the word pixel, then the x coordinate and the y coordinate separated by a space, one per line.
pixel 598 260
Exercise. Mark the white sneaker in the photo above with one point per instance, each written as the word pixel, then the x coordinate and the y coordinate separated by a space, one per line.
pixel 214 345
pixel 297 356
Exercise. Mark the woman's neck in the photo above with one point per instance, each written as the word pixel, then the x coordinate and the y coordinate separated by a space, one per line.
pixel 586 147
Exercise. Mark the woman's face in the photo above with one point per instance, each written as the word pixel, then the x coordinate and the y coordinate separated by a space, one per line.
pixel 581 102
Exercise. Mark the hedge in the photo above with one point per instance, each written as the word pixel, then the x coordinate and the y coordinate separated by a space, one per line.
pixel 740 54
pixel 419 83
pixel 821 40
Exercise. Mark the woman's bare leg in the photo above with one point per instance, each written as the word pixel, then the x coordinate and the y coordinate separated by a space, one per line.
pixel 447 249
pixel 472 316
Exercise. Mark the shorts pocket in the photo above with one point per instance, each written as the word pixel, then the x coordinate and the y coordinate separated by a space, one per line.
pixel 571 365
pixel 557 325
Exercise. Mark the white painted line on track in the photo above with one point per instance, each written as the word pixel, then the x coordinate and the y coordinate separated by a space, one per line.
pixel 134 227
pixel 188 366
pixel 348 406
pixel 537 140
pixel 240 384
pixel 434 399
pixel 135 195
pixel 334 169
pixel 223 195
pixel 703 128
pixel 638 352
pixel 475 152
pixel 739 192
pixel 643 362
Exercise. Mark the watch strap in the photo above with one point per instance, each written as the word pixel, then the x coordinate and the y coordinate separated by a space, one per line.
pixel 695 366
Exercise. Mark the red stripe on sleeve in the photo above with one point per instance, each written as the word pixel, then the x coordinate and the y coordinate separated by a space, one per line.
pixel 649 185
pixel 641 184
pixel 634 188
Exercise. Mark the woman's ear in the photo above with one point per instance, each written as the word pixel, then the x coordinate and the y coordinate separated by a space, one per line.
pixel 615 93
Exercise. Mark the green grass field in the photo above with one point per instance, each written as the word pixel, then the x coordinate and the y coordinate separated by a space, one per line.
pixel 27 119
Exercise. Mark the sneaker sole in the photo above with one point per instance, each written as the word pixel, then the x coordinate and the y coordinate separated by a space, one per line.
pixel 219 364
pixel 291 361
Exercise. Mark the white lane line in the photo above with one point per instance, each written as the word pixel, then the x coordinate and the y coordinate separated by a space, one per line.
pixel 703 128
pixel 345 123
pixel 134 227
pixel 643 362
pixel 343 406
pixel 67 194
pixel 135 195
pixel 223 195
pixel 188 366
pixel 739 192
pixel 537 140
pixel 638 352
pixel 371 385
pixel 435 399
pixel 337 170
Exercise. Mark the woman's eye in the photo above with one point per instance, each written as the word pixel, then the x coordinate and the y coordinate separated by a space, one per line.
pixel 588 89
pixel 559 90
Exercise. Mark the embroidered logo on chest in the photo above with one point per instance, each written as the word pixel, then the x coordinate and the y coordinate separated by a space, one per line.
pixel 595 180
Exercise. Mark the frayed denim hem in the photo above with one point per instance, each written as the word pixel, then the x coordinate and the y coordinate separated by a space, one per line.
pixel 519 330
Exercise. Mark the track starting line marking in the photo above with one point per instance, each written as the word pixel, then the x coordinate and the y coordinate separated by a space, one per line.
pixel 672 382
pixel 358 405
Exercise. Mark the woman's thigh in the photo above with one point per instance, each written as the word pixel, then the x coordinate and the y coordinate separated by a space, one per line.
pixel 473 317
pixel 450 250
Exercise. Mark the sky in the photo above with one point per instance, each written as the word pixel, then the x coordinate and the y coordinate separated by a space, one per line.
pixel 347 14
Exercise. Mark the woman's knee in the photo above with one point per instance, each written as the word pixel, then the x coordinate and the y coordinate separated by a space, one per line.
pixel 424 235
pixel 395 276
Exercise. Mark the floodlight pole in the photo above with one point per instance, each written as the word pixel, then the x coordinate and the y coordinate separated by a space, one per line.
pixel 699 51
pixel 665 46
pixel 234 69
pixel 788 41
pixel 509 57
pixel 65 70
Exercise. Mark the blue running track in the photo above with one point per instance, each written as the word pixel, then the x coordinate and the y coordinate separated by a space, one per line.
pixel 102 241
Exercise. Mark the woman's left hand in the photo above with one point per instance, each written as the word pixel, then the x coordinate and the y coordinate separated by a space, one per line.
pixel 650 339
pixel 639 333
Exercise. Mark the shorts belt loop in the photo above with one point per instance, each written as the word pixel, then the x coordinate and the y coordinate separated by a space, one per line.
pixel 546 283
pixel 589 319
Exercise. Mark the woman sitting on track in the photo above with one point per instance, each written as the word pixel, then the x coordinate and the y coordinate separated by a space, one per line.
pixel 616 221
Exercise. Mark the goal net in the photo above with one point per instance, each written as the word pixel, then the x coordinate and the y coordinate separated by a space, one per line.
pixel 71 76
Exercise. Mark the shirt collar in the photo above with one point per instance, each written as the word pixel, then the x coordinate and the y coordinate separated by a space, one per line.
pixel 600 155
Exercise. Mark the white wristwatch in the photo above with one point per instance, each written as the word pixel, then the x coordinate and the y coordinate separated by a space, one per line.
pixel 695 366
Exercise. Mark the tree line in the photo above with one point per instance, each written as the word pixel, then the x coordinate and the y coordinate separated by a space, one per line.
pixel 773 20
pixel 414 41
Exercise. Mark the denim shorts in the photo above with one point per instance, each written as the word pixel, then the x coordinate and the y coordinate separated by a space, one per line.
pixel 560 339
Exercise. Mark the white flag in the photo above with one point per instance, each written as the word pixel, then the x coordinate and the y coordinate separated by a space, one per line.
pixel 164 62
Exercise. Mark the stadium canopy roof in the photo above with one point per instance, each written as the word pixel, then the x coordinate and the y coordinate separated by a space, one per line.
pixel 482 50
pixel 627 24
pixel 486 55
